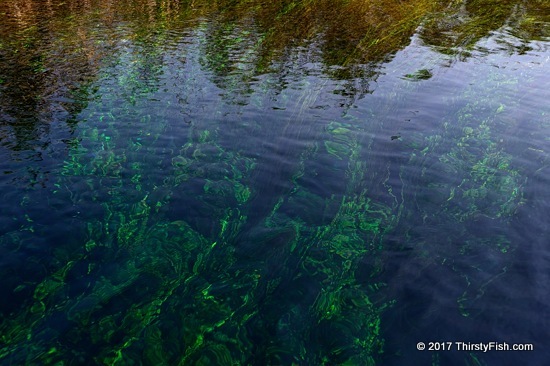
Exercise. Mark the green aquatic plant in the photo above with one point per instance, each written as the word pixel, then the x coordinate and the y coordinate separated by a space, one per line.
pixel 486 183
pixel 130 244
pixel 469 188
pixel 215 306
pixel 341 142
pixel 327 258
pixel 422 74
pixel 187 257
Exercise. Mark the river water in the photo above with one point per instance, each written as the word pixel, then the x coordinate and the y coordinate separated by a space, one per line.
pixel 282 183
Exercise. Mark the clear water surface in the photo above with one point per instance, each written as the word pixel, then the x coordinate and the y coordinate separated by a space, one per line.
pixel 273 183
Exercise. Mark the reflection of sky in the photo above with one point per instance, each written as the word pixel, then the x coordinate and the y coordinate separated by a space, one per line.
pixel 500 87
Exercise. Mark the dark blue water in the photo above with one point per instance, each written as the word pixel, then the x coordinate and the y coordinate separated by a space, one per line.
pixel 168 196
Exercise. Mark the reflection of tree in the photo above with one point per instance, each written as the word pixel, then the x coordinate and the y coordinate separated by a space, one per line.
pixel 459 27
pixel 346 32
pixel 51 51
pixel 357 32
pixel 346 38
pixel 49 59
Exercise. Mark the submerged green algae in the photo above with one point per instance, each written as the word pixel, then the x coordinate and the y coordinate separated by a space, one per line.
pixel 310 291
pixel 226 275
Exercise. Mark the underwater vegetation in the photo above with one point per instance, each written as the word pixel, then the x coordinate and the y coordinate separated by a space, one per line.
pixel 302 285
pixel 485 190
pixel 222 194
pixel 128 246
